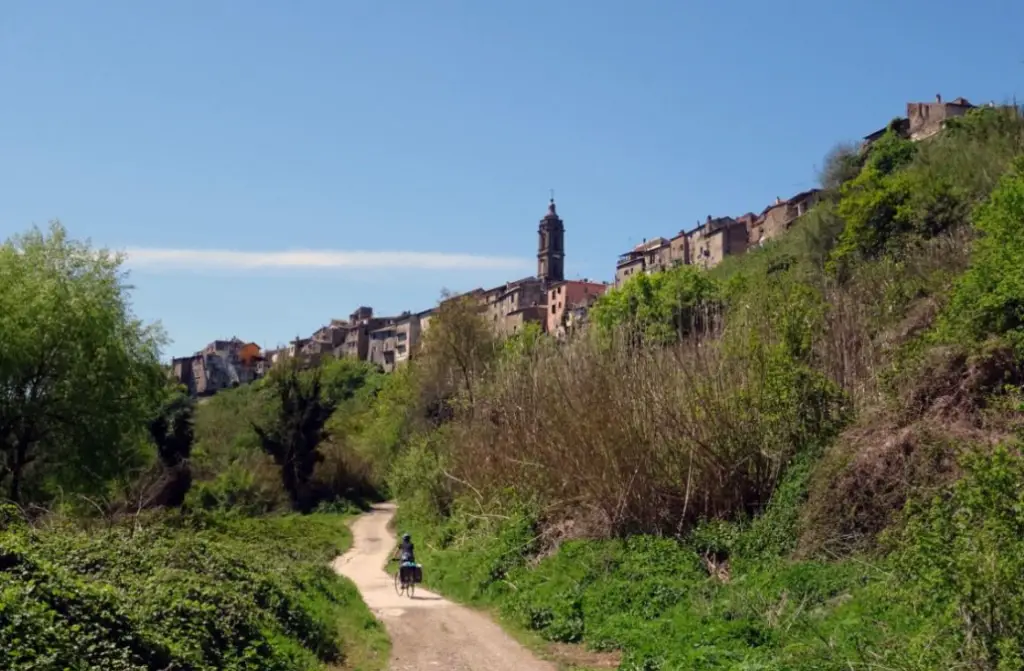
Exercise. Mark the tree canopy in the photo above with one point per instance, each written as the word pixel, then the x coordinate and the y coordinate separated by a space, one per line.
pixel 79 373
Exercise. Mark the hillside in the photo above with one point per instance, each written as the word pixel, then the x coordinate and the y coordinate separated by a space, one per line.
pixel 805 458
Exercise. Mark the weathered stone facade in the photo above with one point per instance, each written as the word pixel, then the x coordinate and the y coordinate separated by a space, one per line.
pixel 566 298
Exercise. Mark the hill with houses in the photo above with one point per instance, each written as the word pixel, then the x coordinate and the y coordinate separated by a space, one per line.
pixel 547 299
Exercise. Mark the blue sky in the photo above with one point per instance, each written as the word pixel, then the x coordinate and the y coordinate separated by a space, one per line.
pixel 401 127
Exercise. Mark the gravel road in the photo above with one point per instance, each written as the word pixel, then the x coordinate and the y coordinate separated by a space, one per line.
pixel 428 631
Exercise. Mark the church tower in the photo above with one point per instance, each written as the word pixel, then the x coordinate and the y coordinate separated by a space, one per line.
pixel 551 249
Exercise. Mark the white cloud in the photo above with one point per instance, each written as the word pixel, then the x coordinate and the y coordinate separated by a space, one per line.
pixel 223 259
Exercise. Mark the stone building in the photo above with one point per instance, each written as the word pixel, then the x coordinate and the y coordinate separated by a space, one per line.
pixel 927 119
pixel 778 217
pixel 568 298
pixel 408 334
pixel 381 347
pixel 715 239
pixel 222 364
pixel 649 256
pixel 510 306
pixel 923 119
pixel 551 246
pixel 354 333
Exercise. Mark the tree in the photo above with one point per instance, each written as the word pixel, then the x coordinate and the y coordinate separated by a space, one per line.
pixel 458 347
pixel 298 431
pixel 988 299
pixel 842 163
pixel 173 433
pixel 659 308
pixel 79 374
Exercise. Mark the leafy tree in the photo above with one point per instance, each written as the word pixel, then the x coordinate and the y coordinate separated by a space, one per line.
pixel 663 306
pixel 523 343
pixel 79 374
pixel 342 378
pixel 877 204
pixel 173 433
pixel 989 297
pixel 842 164
pixel 298 431
pixel 457 347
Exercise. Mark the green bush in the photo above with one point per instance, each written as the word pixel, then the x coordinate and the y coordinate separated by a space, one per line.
pixel 964 551
pixel 653 598
pixel 199 592
pixel 988 299
pixel 663 306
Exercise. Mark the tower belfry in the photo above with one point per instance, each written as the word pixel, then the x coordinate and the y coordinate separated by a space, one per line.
pixel 551 245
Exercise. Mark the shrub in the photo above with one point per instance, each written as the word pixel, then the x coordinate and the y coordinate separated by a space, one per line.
pixel 203 593
pixel 989 298
pixel 964 552
pixel 662 307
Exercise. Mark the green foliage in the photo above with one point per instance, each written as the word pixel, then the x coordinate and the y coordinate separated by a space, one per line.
pixel 172 429
pixel 808 331
pixel 653 597
pixel 842 164
pixel 342 379
pixel 874 203
pixel 989 298
pixel 417 476
pixel 909 191
pixel 387 422
pixel 201 593
pixel 524 343
pixel 294 438
pixel 965 554
pixel 79 374
pixel 223 426
pixel 241 489
pixel 232 469
pixel 664 306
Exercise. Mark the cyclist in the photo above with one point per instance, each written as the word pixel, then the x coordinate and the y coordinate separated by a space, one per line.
pixel 406 551
pixel 406 554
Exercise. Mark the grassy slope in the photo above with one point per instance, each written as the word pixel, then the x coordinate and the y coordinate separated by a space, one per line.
pixel 200 592
pixel 938 589
pixel 653 599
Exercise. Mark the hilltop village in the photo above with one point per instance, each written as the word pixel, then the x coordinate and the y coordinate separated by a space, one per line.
pixel 558 306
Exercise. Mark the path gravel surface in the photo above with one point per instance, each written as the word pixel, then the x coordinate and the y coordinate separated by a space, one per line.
pixel 427 631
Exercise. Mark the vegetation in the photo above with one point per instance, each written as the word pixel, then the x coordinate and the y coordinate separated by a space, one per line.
pixel 141 532
pixel 201 592
pixel 78 372
pixel 807 458
pixel 294 440
pixel 173 433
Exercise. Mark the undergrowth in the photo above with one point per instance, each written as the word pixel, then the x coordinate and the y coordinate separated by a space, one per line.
pixel 726 596
pixel 807 458
pixel 198 592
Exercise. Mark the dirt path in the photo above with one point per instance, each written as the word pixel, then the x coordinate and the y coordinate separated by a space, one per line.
pixel 427 632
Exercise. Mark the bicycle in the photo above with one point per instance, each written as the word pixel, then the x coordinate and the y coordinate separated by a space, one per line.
pixel 405 579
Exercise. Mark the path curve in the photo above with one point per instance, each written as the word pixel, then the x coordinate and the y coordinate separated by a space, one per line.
pixel 428 631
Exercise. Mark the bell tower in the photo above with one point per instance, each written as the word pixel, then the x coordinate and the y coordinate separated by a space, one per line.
pixel 551 246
